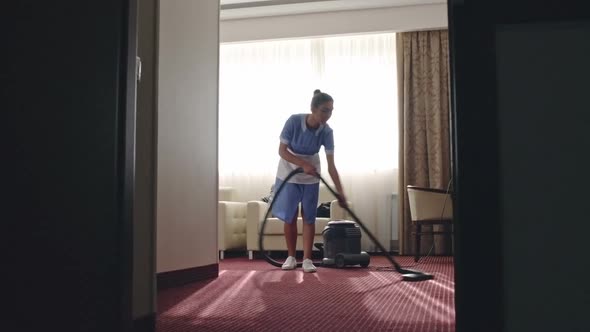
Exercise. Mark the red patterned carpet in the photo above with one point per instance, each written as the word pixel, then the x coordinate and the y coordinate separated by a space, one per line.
pixel 255 296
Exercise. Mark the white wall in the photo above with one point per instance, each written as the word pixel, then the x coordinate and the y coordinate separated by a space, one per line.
pixel 394 19
pixel 187 134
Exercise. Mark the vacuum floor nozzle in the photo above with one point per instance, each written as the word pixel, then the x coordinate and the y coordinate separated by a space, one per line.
pixel 421 276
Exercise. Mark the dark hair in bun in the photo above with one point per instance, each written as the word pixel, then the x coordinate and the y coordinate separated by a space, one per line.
pixel 319 98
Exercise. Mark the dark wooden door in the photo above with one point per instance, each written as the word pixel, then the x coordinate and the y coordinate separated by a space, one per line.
pixel 68 126
pixel 520 91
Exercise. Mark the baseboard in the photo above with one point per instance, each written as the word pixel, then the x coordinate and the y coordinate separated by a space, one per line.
pixel 380 253
pixel 145 323
pixel 178 278
pixel 235 253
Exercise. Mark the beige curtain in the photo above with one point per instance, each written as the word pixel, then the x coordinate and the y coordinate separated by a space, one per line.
pixel 423 69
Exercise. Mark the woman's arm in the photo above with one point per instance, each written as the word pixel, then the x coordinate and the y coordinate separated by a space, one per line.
pixel 336 178
pixel 288 156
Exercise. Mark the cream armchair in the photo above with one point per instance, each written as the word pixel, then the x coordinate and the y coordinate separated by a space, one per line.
pixel 274 238
pixel 231 222
pixel 429 206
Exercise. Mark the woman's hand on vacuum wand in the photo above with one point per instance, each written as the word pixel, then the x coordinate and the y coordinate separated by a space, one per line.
pixel 308 168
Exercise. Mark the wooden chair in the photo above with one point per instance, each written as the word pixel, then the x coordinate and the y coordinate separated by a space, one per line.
pixel 429 206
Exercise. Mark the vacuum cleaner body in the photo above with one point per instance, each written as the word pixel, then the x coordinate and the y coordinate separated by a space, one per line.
pixel 342 245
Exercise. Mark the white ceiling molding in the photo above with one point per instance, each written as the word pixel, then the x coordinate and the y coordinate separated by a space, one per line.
pixel 242 9
pixel 372 20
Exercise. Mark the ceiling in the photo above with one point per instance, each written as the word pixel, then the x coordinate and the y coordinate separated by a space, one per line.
pixel 238 9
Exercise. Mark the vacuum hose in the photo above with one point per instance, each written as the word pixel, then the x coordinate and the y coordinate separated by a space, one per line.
pixel 408 275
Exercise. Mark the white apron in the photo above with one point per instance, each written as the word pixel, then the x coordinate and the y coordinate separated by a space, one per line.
pixel 286 167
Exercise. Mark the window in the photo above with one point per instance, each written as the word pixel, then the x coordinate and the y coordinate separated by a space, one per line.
pixel 263 83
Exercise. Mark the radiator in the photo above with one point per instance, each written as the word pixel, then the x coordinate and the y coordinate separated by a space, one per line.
pixel 394 245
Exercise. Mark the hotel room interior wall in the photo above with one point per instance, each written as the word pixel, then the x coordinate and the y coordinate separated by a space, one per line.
pixel 187 134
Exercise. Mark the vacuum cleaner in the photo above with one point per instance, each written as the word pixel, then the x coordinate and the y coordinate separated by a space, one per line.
pixel 341 245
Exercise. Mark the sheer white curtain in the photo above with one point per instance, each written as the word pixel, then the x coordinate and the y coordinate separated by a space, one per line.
pixel 262 83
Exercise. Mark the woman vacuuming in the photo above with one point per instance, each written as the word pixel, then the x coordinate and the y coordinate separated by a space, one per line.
pixel 301 139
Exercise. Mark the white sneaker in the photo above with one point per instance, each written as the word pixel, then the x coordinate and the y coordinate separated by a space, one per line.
pixel 308 265
pixel 290 263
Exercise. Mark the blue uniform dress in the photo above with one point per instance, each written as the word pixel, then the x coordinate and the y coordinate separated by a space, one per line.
pixel 301 188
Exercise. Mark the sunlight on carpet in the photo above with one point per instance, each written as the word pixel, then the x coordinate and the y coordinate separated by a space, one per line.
pixel 254 296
